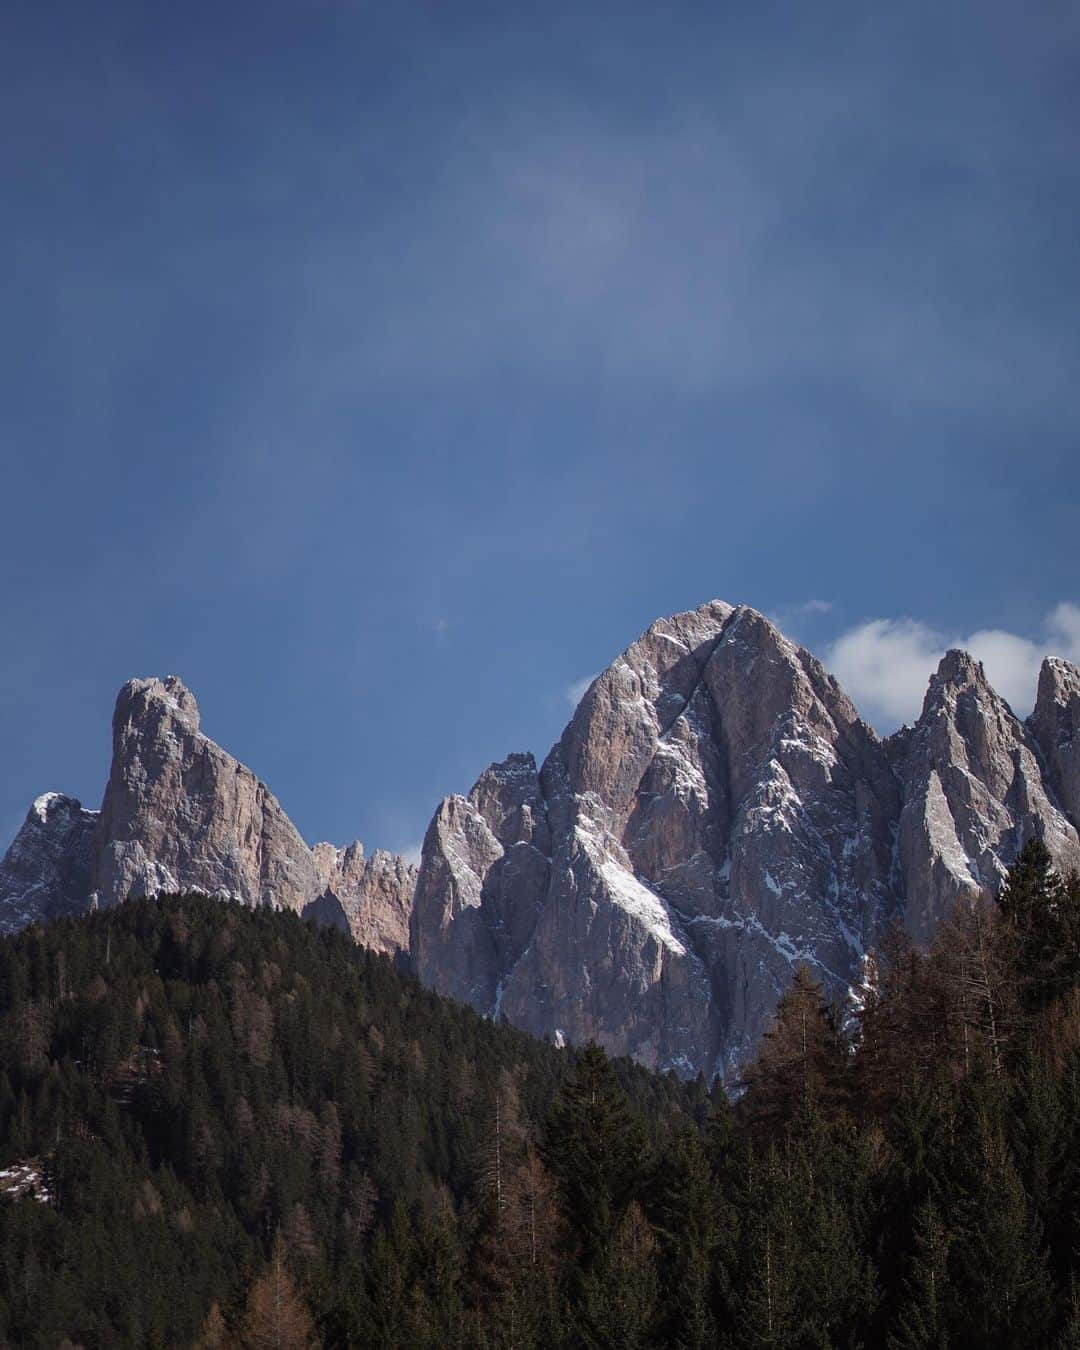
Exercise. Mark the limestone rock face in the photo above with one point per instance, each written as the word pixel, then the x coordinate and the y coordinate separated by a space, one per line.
pixel 482 879
pixel 973 792
pixel 715 812
pixel 1055 724
pixel 180 814
pixel 371 898
pixel 46 873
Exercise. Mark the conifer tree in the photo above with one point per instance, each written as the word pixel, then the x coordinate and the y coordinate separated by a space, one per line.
pixel 214 1333
pixel 276 1317
pixel 688 1229
pixel 919 1321
pixel 999 1279
pixel 595 1149
pixel 801 1064
pixel 1041 914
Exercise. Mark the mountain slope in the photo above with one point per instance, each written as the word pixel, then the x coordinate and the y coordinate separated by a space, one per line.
pixel 715 812
pixel 186 1081
pixel 180 813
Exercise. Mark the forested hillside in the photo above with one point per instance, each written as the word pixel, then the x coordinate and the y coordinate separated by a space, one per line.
pixel 223 1127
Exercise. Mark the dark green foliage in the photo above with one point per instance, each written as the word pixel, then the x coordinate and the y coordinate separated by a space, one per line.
pixel 193 1080
pixel 1041 914
pixel 243 1131
pixel 596 1150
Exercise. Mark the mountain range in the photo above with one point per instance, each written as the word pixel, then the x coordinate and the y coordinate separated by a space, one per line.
pixel 715 812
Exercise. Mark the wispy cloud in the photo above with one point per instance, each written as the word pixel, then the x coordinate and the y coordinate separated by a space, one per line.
pixel 668 255
pixel 790 618
pixel 575 692
pixel 884 664
pixel 412 853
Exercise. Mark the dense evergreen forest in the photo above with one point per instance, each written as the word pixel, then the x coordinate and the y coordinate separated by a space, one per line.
pixel 224 1128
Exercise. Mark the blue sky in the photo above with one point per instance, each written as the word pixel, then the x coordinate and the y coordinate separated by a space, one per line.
pixel 384 368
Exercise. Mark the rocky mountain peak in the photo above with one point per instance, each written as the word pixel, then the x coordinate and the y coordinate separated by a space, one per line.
pixel 181 814
pixel 1059 681
pixel 509 798
pixel 143 701
pixel 974 791
pixel 1055 724
pixel 956 668
pixel 715 812
pixel 47 870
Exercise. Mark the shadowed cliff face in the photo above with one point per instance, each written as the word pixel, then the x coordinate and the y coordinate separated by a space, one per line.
pixel 47 871
pixel 1055 725
pixel 715 812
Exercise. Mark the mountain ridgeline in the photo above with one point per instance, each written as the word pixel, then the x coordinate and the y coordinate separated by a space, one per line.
pixel 715 813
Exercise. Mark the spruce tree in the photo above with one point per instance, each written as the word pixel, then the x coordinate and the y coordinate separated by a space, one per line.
pixel 595 1149
pixel 919 1321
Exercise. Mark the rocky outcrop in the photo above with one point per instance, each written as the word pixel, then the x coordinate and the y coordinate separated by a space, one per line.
pixel 371 898
pixel 181 814
pixel 973 792
pixel 1055 724
pixel 46 873
pixel 482 883
pixel 715 812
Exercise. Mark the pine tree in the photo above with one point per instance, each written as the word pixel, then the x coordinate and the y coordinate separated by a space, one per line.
pixel 1041 926
pixel 594 1147
pixel 617 1305
pixel 919 1323
pixel 999 1281
pixel 688 1231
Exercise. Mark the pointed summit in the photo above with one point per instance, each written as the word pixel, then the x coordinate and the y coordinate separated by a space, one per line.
pixel 46 872
pixel 973 793
pixel 958 667
pixel 181 814
pixel 167 698
pixel 713 784
pixel 1055 724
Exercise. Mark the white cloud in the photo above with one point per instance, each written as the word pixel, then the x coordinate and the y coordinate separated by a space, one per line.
pixel 1063 623
pixel 412 852
pixel 576 692
pixel 885 664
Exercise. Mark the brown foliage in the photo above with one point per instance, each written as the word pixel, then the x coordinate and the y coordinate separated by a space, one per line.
pixel 276 1317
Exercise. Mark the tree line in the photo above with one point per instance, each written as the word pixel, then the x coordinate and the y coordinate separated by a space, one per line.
pixel 249 1132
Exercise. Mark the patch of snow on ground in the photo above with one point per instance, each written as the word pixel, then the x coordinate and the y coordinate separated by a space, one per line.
pixel 25 1179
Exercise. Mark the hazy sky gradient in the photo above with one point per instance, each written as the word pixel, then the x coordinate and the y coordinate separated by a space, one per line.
pixel 384 368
